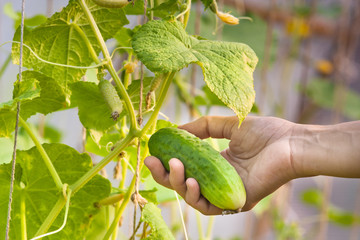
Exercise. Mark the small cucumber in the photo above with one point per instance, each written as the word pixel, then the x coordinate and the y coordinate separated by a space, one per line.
pixel 219 182
pixel 112 3
pixel 111 97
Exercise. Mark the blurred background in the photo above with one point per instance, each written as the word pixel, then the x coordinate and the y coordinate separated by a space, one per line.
pixel 308 72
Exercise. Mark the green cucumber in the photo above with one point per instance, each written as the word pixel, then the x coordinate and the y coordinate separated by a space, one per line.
pixel 112 3
pixel 219 182
pixel 111 97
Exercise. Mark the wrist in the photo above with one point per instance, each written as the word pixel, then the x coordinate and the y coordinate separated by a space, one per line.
pixel 307 150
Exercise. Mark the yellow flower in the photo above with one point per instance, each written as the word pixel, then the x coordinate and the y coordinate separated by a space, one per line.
pixel 298 27
pixel 324 67
pixel 227 18
pixel 130 67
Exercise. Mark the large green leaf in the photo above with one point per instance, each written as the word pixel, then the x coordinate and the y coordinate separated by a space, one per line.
pixel 61 40
pixel 37 93
pixel 52 96
pixel 151 214
pixel 164 46
pixel 41 194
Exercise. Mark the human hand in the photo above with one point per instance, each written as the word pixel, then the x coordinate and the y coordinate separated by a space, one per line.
pixel 260 151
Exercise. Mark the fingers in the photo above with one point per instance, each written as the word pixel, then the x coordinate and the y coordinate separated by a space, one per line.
pixel 212 126
pixel 177 176
pixel 189 188
pixel 158 171
pixel 197 201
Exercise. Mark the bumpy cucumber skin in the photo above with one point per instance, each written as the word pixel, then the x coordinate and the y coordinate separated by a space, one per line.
pixel 111 97
pixel 219 182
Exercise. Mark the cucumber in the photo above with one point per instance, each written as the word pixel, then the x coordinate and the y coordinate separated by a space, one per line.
pixel 219 182
pixel 111 97
pixel 112 3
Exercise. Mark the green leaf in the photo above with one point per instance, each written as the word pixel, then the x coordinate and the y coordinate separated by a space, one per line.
pixel 342 217
pixel 9 11
pixel 134 92
pixel 312 197
pixel 322 93
pixel 167 8
pixel 7 122
pixel 94 113
pixel 151 214
pixel 6 150
pixel 61 40
pixel 207 3
pixel 227 67
pixel 137 8
pixel 131 153
pixel 41 193
pixel 52 95
pixel 149 195
pixel 164 124
pixel 252 33
pixel 163 194
pixel 16 16
pixel 124 37
pixel 98 225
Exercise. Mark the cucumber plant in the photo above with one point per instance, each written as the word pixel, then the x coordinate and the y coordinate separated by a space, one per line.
pixel 58 188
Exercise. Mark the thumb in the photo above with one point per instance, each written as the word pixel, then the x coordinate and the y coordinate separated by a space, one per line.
pixel 212 126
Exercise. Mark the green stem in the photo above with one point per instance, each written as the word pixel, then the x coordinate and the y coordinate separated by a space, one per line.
pixel 124 166
pixel 109 66
pixel 52 216
pixel 200 229
pixel 23 214
pixel 164 89
pixel 87 42
pixel 188 7
pixel 90 174
pixel 5 65
pixel 187 14
pixel 43 154
pixel 120 211
pixel 151 12
pixel 210 227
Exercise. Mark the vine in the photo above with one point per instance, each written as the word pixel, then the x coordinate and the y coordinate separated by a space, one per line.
pixel 52 83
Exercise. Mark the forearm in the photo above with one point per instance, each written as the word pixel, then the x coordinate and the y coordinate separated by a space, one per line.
pixel 332 150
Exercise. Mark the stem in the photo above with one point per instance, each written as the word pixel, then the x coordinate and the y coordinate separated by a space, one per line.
pixel 151 12
pixel 87 42
pixel 109 66
pixel 120 211
pixel 124 166
pixel 92 172
pixel 23 214
pixel 43 154
pixel 210 227
pixel 187 14
pixel 163 91
pixel 188 7
pixel 200 229
pixel 112 199
pixel 5 65
pixel 52 216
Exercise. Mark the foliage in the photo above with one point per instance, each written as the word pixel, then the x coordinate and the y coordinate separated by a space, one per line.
pixel 65 56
